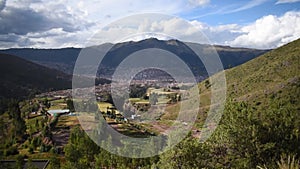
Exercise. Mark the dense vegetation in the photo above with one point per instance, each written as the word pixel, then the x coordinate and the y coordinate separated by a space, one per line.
pixel 245 139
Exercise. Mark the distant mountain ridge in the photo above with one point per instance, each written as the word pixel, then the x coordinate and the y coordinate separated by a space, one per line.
pixel 60 59
pixel 64 59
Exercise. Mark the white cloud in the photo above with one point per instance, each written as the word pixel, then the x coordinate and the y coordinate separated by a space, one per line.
pixel 270 31
pixel 267 32
pixel 197 3
pixel 286 1
pixel 167 28
pixel 32 23
pixel 147 25
pixel 218 34
pixel 74 18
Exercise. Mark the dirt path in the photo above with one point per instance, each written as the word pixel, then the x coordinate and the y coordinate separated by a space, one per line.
pixel 62 130
pixel 161 128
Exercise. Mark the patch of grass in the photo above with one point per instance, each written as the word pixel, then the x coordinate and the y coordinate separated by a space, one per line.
pixel 31 124
pixel 171 112
pixel 58 101
pixel 103 106
pixel 58 104
pixel 67 121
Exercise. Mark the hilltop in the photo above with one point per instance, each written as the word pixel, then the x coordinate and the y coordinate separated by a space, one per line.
pixel 64 59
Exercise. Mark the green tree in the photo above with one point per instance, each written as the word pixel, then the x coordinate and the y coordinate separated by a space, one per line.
pixel 36 125
pixel 189 153
pixel 20 162
pixel 54 162
pixel 207 84
pixel 70 105
pixel 46 103
pixel 80 150
pixel 18 122
pixel 257 137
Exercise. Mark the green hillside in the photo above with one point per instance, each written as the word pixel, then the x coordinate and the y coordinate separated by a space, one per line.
pixel 19 78
pixel 270 73
pixel 274 74
pixel 260 126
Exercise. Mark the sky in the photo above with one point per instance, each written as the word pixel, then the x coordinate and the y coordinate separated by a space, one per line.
pixel 262 24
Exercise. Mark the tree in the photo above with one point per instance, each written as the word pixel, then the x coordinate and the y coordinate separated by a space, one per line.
pixel 31 150
pixel 70 105
pixel 20 162
pixel 189 153
pixel 36 125
pixel 46 103
pixel 261 137
pixel 54 162
pixel 18 122
pixel 80 150
pixel 207 84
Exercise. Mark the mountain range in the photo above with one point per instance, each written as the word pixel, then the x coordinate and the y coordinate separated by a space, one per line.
pixel 27 71
pixel 64 59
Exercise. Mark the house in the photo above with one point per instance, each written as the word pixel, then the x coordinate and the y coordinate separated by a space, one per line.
pixel 136 117
pixel 58 112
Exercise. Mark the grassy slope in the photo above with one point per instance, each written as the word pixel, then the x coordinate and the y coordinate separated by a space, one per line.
pixel 274 74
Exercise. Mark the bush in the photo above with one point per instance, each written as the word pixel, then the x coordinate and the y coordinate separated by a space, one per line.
pixel 260 137
pixel 11 151
pixel 45 148
pixel 35 142
pixel 31 150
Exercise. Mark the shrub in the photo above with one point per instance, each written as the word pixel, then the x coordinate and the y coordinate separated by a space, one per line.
pixel 31 150
pixel 11 151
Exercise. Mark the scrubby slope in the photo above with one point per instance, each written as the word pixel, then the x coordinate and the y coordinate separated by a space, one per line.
pixel 274 74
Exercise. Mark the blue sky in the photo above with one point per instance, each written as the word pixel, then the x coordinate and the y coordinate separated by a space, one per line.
pixel 236 12
pixel 73 23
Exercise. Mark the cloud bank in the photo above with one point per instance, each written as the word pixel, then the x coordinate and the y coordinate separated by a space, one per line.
pixel 270 31
pixel 71 23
